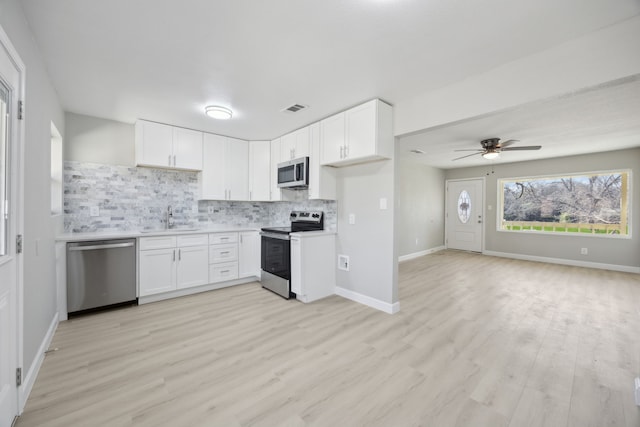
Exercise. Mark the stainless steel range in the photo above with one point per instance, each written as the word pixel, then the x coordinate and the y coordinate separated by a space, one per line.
pixel 276 250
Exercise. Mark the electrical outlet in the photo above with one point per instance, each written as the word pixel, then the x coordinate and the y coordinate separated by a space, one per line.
pixel 416 241
pixel 383 203
pixel 94 211
pixel 194 209
pixel 343 262
pixel 210 209
pixel 584 251
pixel 352 219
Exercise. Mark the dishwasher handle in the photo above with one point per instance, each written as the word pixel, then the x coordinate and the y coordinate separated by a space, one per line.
pixel 95 247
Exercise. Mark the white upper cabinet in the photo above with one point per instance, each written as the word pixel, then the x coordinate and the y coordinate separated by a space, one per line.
pixel 322 179
pixel 212 179
pixel 332 139
pixel 360 134
pixel 294 145
pixel 225 172
pixel 260 170
pixel 275 159
pixel 187 149
pixel 237 165
pixel 165 146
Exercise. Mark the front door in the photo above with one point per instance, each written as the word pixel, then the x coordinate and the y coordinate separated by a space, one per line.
pixel 9 91
pixel 465 211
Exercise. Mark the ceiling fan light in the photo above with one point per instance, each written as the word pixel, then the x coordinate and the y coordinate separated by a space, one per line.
pixel 490 155
pixel 218 112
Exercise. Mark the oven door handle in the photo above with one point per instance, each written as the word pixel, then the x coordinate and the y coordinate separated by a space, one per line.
pixel 275 236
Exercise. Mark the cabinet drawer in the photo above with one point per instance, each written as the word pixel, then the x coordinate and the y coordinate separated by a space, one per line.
pixel 223 272
pixel 217 238
pixel 158 242
pixel 223 253
pixel 192 240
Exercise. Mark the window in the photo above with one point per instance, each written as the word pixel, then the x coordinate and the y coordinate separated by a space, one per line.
pixel 56 171
pixel 590 203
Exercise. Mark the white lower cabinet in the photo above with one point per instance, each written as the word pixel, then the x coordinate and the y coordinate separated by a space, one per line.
pixel 168 263
pixel 192 268
pixel 313 274
pixel 223 257
pixel 249 254
pixel 157 271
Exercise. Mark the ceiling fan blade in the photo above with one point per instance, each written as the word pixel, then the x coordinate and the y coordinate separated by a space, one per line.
pixel 525 148
pixel 468 155
pixel 507 143
pixel 470 150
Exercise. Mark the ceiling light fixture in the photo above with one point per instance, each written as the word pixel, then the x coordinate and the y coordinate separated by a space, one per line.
pixel 491 154
pixel 218 112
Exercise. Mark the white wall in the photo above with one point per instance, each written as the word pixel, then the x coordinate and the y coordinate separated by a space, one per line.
pixel 370 241
pixel 94 140
pixel 420 207
pixel 604 250
pixel 41 108
pixel 597 58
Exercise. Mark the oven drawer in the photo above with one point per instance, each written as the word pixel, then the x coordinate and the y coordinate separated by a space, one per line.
pixel 223 238
pixel 223 253
pixel 223 272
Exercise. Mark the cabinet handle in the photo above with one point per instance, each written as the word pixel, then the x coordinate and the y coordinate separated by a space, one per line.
pixel 241 238
pixel 224 271
pixel 224 238
pixel 169 161
pixel 174 255
pixel 179 254
pixel 346 151
pixel 250 195
pixel 174 160
pixel 224 252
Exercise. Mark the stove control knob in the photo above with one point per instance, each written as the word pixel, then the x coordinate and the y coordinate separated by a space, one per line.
pixel 316 215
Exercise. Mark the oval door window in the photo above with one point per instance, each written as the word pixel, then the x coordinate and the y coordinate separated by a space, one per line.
pixel 464 206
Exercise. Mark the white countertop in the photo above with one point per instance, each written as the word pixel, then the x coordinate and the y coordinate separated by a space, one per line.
pixel 105 235
pixel 312 233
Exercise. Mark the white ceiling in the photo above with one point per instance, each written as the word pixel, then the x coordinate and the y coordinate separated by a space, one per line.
pixel 599 119
pixel 164 60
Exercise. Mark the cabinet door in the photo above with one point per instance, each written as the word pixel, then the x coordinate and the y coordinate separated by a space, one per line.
pixel 302 143
pixel 361 131
pixel 287 147
pixel 212 179
pixel 332 139
pixel 275 159
pixel 154 144
pixel 249 254
pixel 259 170
pixel 157 271
pixel 187 149
pixel 192 267
pixel 322 180
pixel 237 164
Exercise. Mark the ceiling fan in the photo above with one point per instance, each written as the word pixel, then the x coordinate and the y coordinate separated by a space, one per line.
pixel 492 147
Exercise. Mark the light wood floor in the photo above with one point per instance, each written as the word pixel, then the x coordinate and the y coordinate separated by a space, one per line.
pixel 479 341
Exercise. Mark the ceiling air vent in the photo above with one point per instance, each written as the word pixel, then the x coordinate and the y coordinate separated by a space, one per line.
pixel 294 108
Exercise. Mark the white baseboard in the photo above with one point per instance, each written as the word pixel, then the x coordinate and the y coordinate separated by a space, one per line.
pixel 368 301
pixel 30 378
pixel 415 255
pixel 562 261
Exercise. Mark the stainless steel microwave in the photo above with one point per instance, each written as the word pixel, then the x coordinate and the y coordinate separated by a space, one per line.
pixel 294 173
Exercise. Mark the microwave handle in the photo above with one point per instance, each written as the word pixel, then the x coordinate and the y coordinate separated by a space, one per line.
pixel 299 171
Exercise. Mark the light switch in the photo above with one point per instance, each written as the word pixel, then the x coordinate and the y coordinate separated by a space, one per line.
pixel 352 219
pixel 383 203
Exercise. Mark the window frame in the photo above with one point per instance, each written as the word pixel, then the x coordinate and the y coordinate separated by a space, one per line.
pixel 500 203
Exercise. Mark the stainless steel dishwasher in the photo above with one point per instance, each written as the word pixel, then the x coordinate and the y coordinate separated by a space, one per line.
pixel 100 273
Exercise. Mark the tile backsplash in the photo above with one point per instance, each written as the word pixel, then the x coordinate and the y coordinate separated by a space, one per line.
pixel 131 198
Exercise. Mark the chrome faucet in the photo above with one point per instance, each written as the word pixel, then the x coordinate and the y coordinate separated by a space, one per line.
pixel 169 221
